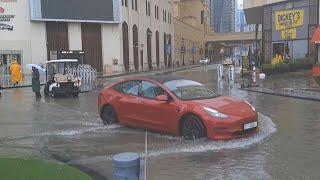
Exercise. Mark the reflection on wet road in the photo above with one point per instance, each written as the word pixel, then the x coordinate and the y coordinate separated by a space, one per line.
pixel 286 147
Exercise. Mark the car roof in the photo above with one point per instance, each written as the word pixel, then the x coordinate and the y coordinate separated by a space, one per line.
pixel 159 78
pixel 62 60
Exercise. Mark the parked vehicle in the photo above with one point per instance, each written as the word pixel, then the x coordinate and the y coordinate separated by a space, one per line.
pixel 59 81
pixel 228 62
pixel 176 106
pixel 204 61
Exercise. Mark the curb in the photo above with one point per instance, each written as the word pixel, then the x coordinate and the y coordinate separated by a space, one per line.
pixel 282 95
pixel 123 74
pixel 140 72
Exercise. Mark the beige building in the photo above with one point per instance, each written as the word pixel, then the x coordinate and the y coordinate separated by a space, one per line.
pixel 125 35
pixel 191 24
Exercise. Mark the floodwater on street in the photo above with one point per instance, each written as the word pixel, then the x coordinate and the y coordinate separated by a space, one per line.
pixel 286 147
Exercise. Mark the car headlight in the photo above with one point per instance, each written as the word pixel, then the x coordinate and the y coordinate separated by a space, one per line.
pixel 215 113
pixel 252 107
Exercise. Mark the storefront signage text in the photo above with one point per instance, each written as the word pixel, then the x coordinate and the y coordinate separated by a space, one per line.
pixel 6 18
pixel 289 34
pixel 289 19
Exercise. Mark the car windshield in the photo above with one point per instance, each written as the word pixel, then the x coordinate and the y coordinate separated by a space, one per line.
pixel 189 90
pixel 59 68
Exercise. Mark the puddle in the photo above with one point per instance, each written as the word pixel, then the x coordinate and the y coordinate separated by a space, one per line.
pixel 175 145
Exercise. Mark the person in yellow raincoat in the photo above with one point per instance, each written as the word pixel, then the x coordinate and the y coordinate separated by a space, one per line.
pixel 16 75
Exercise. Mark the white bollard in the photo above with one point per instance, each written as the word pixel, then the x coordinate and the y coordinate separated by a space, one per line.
pixel 220 72
pixel 231 74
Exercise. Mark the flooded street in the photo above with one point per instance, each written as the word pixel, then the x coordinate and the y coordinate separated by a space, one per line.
pixel 286 147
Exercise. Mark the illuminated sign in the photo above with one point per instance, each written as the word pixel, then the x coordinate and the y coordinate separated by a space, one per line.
pixel 289 19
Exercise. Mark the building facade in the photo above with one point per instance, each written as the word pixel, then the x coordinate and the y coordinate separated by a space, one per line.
pixel 290 38
pixel 114 35
pixel 223 15
pixel 191 24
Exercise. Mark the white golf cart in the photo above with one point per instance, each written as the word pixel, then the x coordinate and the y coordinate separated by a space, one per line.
pixel 59 82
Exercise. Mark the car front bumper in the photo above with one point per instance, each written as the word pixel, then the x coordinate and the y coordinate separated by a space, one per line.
pixel 231 128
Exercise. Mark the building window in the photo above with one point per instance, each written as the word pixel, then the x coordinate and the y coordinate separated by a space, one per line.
pixel 126 3
pixel 163 15
pixel 6 59
pixel 132 4
pixel 149 9
pixel 202 17
pixel 155 12
pixel 122 2
pixel 146 7
pixel 136 5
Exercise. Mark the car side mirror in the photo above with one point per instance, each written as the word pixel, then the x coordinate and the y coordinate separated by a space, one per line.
pixel 162 98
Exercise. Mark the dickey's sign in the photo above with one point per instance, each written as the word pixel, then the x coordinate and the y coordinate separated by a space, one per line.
pixel 289 19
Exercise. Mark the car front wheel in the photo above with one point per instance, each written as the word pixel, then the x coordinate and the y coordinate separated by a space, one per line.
pixel 192 128
pixel 109 115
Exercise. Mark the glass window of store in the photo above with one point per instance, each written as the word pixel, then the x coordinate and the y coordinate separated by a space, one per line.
pixel 6 59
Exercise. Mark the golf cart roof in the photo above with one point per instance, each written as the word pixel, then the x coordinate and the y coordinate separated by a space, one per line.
pixel 62 60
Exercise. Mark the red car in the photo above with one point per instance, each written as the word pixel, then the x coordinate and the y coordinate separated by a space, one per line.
pixel 176 106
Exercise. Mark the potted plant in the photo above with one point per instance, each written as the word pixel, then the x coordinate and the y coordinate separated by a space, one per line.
pixel 316 69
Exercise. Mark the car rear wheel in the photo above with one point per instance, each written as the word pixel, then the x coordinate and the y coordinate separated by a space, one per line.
pixel 109 115
pixel 192 128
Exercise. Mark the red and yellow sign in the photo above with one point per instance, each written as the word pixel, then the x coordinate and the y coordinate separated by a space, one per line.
pixel 285 20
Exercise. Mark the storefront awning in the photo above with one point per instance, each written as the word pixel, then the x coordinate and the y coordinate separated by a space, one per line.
pixel 316 36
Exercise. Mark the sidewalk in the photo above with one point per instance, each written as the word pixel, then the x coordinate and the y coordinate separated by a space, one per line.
pixel 5 80
pixel 298 84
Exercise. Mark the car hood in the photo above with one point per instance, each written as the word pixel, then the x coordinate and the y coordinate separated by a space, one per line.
pixel 227 105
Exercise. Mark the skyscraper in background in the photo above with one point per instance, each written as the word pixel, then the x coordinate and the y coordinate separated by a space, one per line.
pixel 223 15
pixel 241 23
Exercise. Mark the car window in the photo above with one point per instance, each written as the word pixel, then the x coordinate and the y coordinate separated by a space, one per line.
pixel 129 87
pixel 150 90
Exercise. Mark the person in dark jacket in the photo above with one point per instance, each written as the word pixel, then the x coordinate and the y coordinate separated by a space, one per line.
pixel 36 81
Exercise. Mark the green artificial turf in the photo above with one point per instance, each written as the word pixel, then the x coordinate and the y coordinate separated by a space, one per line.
pixel 20 169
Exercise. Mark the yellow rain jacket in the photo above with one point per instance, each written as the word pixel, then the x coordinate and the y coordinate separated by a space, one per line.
pixel 16 75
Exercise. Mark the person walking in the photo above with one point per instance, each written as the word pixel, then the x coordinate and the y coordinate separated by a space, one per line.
pixel 36 81
pixel 16 75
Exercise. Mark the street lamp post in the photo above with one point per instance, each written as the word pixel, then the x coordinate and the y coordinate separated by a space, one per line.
pixel 183 51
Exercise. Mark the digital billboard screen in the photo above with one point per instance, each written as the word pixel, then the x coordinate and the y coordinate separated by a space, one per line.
pixel 74 10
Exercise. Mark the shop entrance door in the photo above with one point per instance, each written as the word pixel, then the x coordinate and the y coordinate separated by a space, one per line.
pixel 57 38
pixel 278 49
pixel 92 45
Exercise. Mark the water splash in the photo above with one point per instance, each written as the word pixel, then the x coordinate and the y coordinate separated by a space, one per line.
pixel 179 145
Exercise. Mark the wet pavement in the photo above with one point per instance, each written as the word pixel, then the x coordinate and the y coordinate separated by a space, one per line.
pixel 298 84
pixel 286 147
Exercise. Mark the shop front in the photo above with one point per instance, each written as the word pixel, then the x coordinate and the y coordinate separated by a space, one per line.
pixel 287 30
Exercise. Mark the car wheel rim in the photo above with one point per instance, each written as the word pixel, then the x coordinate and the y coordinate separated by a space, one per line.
pixel 191 129
pixel 109 116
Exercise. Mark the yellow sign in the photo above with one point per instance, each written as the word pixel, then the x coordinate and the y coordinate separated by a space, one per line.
pixel 289 34
pixel 289 19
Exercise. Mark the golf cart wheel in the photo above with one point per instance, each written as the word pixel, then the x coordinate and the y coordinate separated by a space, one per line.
pixel 192 128
pixel 109 115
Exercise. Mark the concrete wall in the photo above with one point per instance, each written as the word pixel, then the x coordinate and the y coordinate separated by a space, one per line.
pixel 28 37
